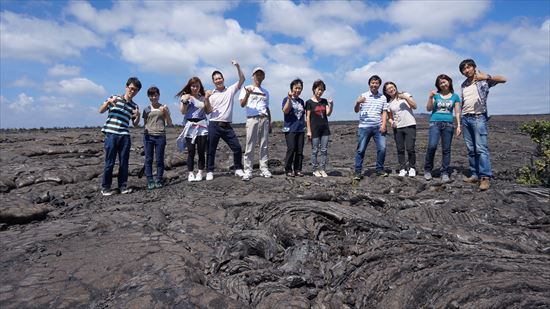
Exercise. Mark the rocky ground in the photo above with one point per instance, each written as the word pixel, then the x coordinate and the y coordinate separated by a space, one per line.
pixel 269 243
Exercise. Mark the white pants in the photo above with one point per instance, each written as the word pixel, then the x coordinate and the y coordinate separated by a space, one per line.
pixel 256 128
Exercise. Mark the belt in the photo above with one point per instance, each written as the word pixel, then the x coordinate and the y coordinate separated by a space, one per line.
pixel 473 115
pixel 194 119
pixel 222 124
pixel 257 117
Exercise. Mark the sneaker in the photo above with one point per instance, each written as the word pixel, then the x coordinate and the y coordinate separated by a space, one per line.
pixel 317 174
pixel 381 174
pixel 239 173
pixel 412 172
pixel 107 192
pixel 209 176
pixel 299 174
pixel 428 176
pixel 158 184
pixel 266 173
pixel 150 184
pixel 402 173
pixel 445 178
pixel 290 174
pixel 126 190
pixel 198 176
pixel 484 184
pixel 357 176
pixel 191 177
pixel 247 176
pixel 324 174
pixel 471 179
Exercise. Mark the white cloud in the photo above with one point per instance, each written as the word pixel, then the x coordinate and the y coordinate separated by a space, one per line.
pixel 78 86
pixel 37 39
pixel 63 70
pixel 23 103
pixel 24 82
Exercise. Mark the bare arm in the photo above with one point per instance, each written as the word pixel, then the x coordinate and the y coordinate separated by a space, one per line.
pixel 166 114
pixel 105 106
pixel 330 107
pixel 207 105
pixel 409 99
pixel 357 107
pixel 496 78
pixel 241 75
pixel 184 103
pixel 383 125
pixel 458 112
pixel 430 105
pixel 308 124
pixel 288 103
pixel 135 116
pixel 244 100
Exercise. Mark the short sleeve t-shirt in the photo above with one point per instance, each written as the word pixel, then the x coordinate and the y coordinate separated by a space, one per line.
pixel 154 121
pixel 443 107
pixel 258 101
pixel 318 117
pixel 370 111
pixel 222 103
pixel 294 121
pixel 195 109
pixel 402 113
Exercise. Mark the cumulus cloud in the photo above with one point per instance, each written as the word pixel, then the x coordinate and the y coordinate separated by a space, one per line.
pixel 23 103
pixel 38 39
pixel 24 82
pixel 63 70
pixel 78 86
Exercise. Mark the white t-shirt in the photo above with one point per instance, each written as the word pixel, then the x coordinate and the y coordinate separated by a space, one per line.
pixel 222 103
pixel 402 113
pixel 258 101
pixel 472 101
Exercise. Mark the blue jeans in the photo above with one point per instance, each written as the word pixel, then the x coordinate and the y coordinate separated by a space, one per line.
pixel 444 131
pixel 319 145
pixel 223 130
pixel 363 137
pixel 475 132
pixel 154 144
pixel 116 144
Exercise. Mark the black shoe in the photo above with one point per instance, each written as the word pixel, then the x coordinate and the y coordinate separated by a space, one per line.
pixel 381 174
pixel 107 192
pixel 126 190
pixel 357 177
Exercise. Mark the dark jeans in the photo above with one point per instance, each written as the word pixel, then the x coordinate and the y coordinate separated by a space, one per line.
pixel 154 144
pixel 405 139
pixel 200 148
pixel 444 131
pixel 116 145
pixel 294 151
pixel 223 130
pixel 363 137
pixel 474 129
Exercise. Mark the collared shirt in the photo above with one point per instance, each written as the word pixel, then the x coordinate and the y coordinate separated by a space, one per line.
pixel 258 101
pixel 470 104
pixel 370 111
pixel 222 103
pixel 119 116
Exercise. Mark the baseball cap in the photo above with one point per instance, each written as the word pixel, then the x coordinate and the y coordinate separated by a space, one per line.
pixel 257 69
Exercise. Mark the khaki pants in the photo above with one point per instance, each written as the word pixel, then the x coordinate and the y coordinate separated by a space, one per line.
pixel 256 128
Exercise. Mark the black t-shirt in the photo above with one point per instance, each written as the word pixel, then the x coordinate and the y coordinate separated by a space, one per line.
pixel 318 117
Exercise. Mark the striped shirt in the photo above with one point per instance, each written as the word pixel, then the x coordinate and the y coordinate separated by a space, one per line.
pixel 370 111
pixel 119 116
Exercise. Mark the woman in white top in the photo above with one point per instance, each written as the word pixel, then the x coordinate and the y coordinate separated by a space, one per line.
pixel 400 107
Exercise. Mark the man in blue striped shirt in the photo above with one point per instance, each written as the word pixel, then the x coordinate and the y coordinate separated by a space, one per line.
pixel 117 136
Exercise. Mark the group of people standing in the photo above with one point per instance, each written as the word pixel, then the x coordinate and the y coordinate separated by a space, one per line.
pixel 208 118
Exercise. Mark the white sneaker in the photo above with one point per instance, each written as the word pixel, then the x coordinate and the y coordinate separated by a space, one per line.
pixel 402 173
pixel 198 176
pixel 191 177
pixel 247 176
pixel 412 172
pixel 266 173
pixel 317 174
pixel 209 176
pixel 324 174
pixel 239 173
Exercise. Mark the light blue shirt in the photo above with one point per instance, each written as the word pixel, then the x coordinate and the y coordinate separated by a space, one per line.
pixel 370 111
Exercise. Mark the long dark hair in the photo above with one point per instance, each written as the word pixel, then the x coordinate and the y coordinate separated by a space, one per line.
pixel 388 97
pixel 447 78
pixel 187 88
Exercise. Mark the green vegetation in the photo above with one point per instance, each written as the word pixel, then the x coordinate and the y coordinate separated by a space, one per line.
pixel 538 173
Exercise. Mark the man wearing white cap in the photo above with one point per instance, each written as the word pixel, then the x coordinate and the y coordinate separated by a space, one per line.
pixel 258 123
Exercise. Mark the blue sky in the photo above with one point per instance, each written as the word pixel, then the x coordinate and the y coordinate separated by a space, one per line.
pixel 61 59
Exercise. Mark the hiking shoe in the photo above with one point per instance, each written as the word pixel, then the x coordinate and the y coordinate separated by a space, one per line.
pixel 381 174
pixel 126 190
pixel 107 192
pixel 198 176
pixel 402 173
pixel 445 178
pixel 209 176
pixel 484 184
pixel 357 176
pixel 158 184
pixel 323 173
pixel 150 184
pixel 428 176
pixel 239 173
pixel 266 173
pixel 317 174
pixel 471 179
pixel 412 172
pixel 247 176
pixel 191 177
